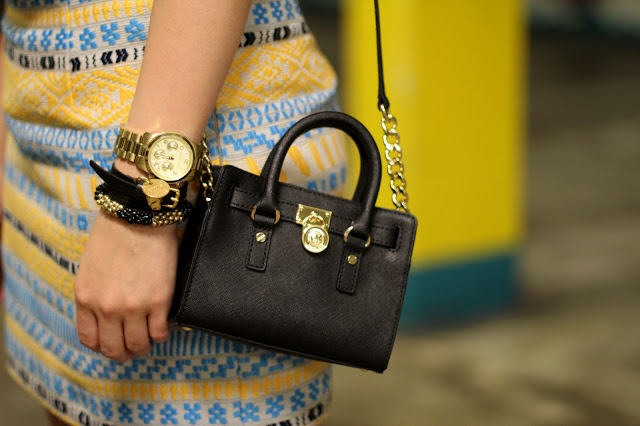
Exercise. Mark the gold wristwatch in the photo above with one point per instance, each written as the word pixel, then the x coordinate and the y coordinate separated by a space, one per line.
pixel 168 156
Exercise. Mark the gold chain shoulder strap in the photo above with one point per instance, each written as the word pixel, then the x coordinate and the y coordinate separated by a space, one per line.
pixel 206 174
pixel 391 137
pixel 393 154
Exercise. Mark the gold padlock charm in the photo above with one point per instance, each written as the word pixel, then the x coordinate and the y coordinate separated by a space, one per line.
pixel 315 228
pixel 155 190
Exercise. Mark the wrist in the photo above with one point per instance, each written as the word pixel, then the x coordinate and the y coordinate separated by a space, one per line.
pixel 193 135
pixel 129 168
pixel 155 217
pixel 167 230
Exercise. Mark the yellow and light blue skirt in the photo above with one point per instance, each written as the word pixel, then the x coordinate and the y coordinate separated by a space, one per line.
pixel 70 72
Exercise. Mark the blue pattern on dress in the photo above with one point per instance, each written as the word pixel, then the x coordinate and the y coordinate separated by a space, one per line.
pixel 218 414
pixel 47 318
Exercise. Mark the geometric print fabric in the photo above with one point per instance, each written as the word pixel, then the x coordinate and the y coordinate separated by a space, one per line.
pixel 71 68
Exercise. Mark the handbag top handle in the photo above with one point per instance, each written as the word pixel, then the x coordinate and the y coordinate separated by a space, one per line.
pixel 370 167
pixel 370 171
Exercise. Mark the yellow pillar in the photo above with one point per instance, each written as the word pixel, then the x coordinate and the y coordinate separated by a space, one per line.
pixel 455 78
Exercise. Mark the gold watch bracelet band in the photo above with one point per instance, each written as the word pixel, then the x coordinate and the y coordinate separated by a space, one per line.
pixel 128 146
pixel 131 146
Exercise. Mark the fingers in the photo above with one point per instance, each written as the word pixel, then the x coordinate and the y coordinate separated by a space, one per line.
pixel 111 336
pixel 158 325
pixel 120 335
pixel 136 335
pixel 120 309
pixel 87 328
pixel 116 340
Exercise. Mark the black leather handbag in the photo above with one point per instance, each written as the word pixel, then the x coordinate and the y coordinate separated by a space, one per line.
pixel 295 270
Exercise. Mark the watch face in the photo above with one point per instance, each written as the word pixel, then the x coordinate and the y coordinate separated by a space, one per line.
pixel 170 158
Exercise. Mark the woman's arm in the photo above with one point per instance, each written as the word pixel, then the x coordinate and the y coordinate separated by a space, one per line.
pixel 127 272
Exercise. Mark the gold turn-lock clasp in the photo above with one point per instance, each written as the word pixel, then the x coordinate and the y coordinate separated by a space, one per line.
pixel 155 190
pixel 315 227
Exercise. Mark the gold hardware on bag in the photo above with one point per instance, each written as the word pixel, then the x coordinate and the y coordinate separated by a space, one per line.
pixel 206 174
pixel 393 154
pixel 346 237
pixel 315 227
pixel 352 259
pixel 253 214
pixel 155 190
pixel 261 237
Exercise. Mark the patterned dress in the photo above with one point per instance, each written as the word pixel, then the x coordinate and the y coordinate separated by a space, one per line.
pixel 70 69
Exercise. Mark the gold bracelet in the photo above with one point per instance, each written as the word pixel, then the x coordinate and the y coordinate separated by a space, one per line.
pixel 141 217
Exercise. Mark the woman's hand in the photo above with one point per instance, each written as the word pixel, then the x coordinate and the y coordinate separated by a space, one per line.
pixel 124 287
pixel 127 273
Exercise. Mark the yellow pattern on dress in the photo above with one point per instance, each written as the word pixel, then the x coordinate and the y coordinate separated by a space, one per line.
pixel 48 187
pixel 102 98
pixel 98 98
pixel 42 265
pixel 77 187
pixel 69 243
pixel 260 74
pixel 175 391
pixel 80 15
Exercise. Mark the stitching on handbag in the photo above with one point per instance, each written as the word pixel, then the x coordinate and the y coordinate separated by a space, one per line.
pixel 265 252
pixel 272 348
pixel 405 277
pixel 298 188
pixel 398 240
pixel 378 241
pixel 196 254
pixel 309 191
pixel 312 192
pixel 356 269
pixel 351 288
pixel 242 205
pixel 252 241
pixel 227 203
pixel 352 278
pixel 252 238
pixel 269 233
pixel 339 284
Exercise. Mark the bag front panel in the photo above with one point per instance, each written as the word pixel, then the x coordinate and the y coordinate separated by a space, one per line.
pixel 294 304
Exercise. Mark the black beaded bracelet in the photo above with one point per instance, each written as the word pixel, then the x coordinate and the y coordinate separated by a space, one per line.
pixel 141 217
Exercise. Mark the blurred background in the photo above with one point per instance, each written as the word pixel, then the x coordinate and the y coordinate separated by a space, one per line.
pixel 520 129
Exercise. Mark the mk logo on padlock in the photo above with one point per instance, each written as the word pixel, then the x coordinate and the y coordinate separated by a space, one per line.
pixel 315 227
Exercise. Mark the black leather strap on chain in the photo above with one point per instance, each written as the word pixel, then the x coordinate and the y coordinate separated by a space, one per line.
pixel 382 95
pixel 391 137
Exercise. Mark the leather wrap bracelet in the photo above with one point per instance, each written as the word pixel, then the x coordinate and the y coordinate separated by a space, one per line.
pixel 130 192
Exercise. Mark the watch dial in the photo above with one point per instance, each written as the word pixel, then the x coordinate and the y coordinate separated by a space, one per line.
pixel 170 158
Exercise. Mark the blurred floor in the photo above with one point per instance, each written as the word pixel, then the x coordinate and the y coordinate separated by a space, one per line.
pixel 569 354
